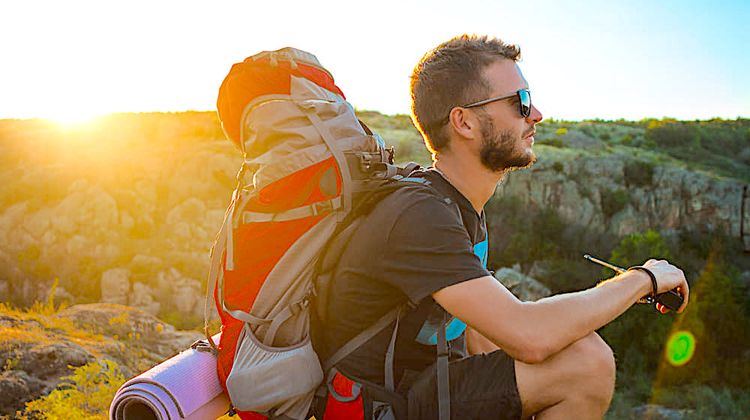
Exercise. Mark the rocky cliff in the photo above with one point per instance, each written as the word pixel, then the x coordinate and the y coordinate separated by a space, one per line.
pixel 622 193
pixel 126 212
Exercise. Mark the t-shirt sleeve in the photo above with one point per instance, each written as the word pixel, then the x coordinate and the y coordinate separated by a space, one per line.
pixel 428 248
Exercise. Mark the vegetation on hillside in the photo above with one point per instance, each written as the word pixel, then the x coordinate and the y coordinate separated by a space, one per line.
pixel 85 394
pixel 142 169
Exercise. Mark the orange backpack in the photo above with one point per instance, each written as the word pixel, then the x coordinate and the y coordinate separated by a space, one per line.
pixel 306 160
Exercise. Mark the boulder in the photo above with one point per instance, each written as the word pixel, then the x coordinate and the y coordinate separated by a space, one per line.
pixel 17 388
pixel 185 293
pixel 523 287
pixel 115 285
pixel 142 297
pixel 86 207
pixel 159 339
pixel 51 360
pixel 38 223
pixel 658 412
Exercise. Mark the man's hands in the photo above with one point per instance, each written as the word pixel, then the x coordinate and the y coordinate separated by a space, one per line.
pixel 669 277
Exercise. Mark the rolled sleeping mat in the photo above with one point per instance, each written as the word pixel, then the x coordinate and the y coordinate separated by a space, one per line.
pixel 183 387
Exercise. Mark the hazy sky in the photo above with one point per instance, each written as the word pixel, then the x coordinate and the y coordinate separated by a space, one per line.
pixel 615 59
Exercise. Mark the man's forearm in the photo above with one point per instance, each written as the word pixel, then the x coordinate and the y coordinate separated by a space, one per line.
pixel 533 331
pixel 558 321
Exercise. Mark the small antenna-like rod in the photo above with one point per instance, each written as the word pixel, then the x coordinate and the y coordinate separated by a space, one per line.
pixel 619 270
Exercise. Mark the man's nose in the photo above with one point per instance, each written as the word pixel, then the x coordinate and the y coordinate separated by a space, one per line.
pixel 535 116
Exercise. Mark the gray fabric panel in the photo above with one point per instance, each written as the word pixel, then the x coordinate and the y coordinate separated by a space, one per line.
pixel 292 54
pixel 338 154
pixel 290 280
pixel 275 128
pixel 304 89
pixel 279 123
pixel 280 127
pixel 300 159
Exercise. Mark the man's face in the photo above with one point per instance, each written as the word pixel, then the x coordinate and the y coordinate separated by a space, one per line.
pixel 507 136
pixel 503 150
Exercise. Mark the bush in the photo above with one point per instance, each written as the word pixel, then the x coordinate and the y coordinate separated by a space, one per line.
pixel 86 394
pixel 719 323
pixel 638 247
pixel 613 202
pixel 639 173
pixel 639 330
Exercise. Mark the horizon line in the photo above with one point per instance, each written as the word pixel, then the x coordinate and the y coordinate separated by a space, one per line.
pixel 186 111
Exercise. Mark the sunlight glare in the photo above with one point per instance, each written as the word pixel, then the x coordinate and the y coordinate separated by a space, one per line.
pixel 680 348
pixel 73 118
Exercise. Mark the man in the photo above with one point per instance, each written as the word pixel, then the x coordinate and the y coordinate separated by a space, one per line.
pixel 472 105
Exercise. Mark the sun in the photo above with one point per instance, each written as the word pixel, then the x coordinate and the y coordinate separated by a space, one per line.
pixel 73 117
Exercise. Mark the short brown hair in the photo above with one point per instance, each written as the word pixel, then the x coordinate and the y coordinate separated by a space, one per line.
pixel 450 75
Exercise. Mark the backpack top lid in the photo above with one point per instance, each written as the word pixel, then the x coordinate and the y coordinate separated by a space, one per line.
pixel 266 73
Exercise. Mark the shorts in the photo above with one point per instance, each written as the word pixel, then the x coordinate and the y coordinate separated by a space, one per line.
pixel 482 386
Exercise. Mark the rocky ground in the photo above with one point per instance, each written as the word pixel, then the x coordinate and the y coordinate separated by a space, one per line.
pixel 39 349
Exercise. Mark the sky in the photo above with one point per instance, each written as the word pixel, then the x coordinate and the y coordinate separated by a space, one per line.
pixel 71 60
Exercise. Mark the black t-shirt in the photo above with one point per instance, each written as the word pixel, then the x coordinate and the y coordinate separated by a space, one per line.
pixel 412 244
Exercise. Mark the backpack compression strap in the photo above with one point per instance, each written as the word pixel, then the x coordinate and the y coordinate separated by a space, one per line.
pixel 364 336
pixel 443 380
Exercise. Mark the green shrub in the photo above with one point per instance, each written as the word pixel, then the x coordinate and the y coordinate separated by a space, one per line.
pixel 553 141
pixel 613 202
pixel 86 394
pixel 638 247
pixel 638 336
pixel 639 173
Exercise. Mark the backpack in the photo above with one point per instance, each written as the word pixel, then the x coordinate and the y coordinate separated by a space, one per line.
pixel 307 162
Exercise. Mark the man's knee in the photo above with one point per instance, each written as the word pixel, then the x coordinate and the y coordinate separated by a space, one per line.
pixel 596 355
pixel 597 367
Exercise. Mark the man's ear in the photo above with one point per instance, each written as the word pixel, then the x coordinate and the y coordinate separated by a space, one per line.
pixel 463 122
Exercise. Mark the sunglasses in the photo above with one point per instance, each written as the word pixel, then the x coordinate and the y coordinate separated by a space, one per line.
pixel 524 101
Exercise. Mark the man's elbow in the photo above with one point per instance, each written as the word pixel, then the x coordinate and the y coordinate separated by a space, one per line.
pixel 532 350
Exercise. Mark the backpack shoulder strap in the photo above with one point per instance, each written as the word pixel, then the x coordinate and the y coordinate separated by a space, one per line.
pixel 363 337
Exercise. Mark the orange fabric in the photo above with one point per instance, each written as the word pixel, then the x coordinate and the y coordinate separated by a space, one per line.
pixel 298 189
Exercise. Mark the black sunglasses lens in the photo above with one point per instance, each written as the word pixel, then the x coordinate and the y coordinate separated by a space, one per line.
pixel 524 100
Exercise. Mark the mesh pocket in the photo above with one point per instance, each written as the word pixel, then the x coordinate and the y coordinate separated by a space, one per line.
pixel 282 379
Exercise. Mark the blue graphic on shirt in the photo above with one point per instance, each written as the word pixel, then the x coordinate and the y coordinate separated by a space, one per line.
pixel 480 250
pixel 428 333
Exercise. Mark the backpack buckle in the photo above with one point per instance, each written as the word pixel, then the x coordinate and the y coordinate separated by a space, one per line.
pixel 204 346
pixel 297 307
pixel 321 207
pixel 365 162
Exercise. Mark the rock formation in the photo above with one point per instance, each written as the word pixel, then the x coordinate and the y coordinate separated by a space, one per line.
pixel 38 350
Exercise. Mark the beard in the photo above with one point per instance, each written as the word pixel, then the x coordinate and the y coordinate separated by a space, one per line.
pixel 500 150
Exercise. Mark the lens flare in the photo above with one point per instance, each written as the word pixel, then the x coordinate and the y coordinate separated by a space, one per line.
pixel 680 348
